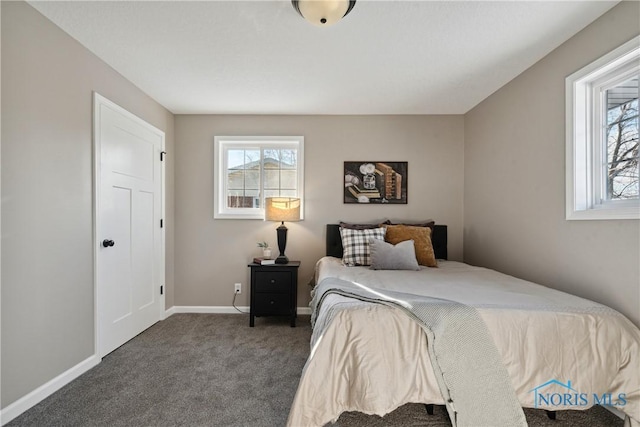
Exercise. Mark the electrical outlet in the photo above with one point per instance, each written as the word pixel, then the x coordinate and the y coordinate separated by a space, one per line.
pixel 237 288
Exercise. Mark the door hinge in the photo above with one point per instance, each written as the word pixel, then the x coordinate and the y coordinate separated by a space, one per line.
pixel 162 153
pixel 161 289
pixel 161 223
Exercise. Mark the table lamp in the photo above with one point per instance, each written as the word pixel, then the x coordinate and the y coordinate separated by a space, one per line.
pixel 282 209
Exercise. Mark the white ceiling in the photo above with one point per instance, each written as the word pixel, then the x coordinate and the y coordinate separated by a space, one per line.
pixel 261 57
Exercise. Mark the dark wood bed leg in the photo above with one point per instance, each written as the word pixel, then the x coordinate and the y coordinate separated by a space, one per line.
pixel 429 409
pixel 551 415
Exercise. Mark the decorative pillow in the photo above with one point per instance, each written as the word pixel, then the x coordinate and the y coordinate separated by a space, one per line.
pixel 355 245
pixel 428 223
pixel 363 226
pixel 385 256
pixel 422 238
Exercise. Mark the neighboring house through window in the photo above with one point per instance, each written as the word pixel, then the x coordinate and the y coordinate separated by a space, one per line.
pixel 602 137
pixel 248 169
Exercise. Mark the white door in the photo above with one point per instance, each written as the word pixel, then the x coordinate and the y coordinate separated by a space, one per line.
pixel 129 238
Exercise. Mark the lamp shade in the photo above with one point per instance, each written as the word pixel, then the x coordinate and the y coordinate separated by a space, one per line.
pixel 323 12
pixel 282 209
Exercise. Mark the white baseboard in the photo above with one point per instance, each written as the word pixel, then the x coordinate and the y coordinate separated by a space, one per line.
pixel 304 310
pixel 38 395
pixel 207 309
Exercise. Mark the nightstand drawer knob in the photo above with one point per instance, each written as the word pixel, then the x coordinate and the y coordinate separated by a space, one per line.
pixel 272 302
pixel 273 281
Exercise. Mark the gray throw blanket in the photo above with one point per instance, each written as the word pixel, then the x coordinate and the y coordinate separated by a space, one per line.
pixel 473 381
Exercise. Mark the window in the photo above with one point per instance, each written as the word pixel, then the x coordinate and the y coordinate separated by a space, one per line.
pixel 248 169
pixel 602 137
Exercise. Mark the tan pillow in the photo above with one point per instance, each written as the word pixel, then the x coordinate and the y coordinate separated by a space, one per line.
pixel 428 223
pixel 420 235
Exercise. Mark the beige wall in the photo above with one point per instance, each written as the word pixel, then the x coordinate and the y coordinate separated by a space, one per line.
pixel 515 178
pixel 211 255
pixel 47 238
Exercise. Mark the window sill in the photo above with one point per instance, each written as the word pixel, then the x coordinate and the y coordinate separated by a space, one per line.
pixel 238 216
pixel 604 213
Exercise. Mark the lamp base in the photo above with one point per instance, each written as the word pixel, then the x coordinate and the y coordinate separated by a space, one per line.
pixel 282 260
pixel 282 244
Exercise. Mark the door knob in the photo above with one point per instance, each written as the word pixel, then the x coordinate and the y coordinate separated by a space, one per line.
pixel 107 243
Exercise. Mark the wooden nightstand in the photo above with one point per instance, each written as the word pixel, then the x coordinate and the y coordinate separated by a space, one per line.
pixel 274 291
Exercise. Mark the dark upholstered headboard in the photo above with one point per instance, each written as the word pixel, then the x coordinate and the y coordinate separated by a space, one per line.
pixel 438 240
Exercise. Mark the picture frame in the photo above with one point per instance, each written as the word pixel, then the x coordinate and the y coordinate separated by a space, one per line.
pixel 375 182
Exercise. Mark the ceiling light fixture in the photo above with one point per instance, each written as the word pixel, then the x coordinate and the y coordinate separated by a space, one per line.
pixel 323 12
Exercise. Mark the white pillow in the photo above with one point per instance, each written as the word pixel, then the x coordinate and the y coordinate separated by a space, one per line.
pixel 385 256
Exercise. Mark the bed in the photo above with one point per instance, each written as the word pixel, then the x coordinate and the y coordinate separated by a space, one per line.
pixel 560 351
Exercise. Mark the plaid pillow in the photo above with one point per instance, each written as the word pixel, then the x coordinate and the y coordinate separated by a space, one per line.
pixel 355 245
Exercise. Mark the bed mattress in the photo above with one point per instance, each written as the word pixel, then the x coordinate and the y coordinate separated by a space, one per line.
pixel 560 351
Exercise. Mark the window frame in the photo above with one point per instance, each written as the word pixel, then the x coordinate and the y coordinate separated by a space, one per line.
pixel 222 144
pixel 585 140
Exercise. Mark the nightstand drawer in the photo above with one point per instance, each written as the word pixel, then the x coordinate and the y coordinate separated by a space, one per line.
pixel 273 281
pixel 273 303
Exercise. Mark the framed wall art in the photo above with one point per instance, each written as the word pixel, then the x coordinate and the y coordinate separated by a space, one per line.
pixel 375 182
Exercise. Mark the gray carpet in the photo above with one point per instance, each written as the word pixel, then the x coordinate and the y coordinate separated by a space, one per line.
pixel 213 370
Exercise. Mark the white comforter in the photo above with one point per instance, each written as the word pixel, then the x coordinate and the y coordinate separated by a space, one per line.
pixel 372 358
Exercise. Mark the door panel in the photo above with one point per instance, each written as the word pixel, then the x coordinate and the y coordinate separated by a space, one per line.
pixel 129 152
pixel 117 265
pixel 144 229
